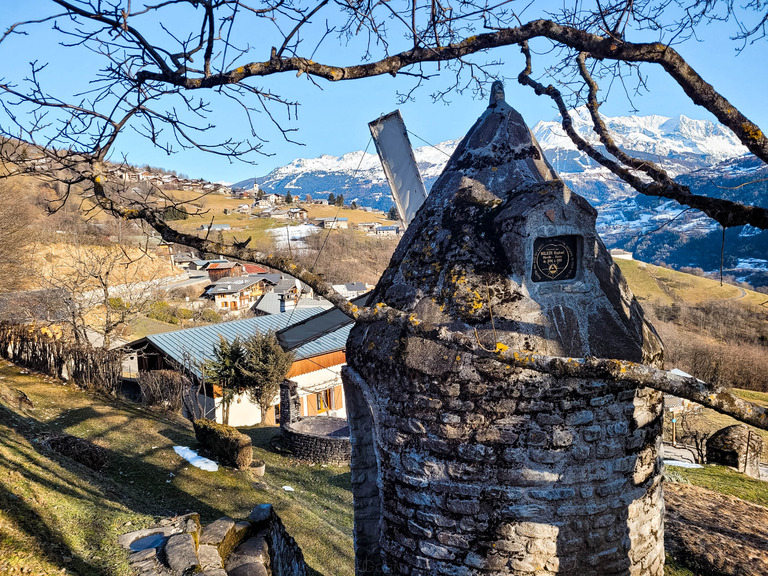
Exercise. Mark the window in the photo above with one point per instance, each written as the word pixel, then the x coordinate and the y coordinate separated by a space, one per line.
pixel 277 413
pixel 325 400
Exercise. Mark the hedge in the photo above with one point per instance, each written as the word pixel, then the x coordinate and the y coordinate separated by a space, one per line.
pixel 228 445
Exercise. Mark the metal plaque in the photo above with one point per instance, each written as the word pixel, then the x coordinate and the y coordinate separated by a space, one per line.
pixel 555 258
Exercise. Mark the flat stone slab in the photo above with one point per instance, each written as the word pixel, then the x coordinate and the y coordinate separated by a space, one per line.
pixel 209 558
pixel 322 426
pixel 181 553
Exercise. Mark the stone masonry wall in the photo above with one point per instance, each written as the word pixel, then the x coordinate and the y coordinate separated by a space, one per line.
pixel 535 476
pixel 316 448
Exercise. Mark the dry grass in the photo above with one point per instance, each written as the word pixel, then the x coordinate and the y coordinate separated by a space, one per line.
pixel 56 514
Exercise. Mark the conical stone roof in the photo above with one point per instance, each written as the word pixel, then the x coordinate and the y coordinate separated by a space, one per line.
pixel 466 261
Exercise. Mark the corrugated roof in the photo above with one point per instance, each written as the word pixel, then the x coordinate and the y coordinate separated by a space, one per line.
pixel 195 345
pixel 336 340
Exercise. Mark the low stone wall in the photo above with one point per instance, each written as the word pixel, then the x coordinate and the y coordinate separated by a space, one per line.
pixel 259 546
pixel 287 557
pixel 316 447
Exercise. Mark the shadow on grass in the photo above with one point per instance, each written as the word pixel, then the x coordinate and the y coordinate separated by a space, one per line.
pixel 51 542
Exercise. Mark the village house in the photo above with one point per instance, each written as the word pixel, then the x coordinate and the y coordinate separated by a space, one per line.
pixel 367 226
pixel 214 227
pixel 279 214
pixel 232 294
pixel 297 214
pixel 352 289
pixel 387 231
pixel 218 270
pixel 332 222
pixel 316 337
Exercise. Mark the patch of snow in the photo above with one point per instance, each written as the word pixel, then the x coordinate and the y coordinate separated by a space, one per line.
pixel 682 464
pixel 196 460
pixel 296 234
pixel 288 489
pixel 752 264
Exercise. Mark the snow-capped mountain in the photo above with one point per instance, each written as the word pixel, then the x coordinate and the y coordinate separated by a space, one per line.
pixel 699 152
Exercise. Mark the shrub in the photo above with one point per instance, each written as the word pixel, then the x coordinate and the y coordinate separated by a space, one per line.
pixel 226 444
pixel 163 388
pixel 163 311
pixel 210 316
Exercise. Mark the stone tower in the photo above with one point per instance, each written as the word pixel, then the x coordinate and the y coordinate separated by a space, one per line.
pixel 465 466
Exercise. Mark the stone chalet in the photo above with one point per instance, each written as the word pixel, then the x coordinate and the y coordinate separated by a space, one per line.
pixel 316 337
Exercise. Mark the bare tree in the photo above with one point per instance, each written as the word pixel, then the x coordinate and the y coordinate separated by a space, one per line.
pixel 16 215
pixel 158 59
pixel 101 288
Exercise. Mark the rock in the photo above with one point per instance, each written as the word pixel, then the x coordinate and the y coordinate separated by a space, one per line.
pixel 181 554
pixel 209 558
pixel 736 446
pixel 261 513
pixel 252 551
pixel 225 534
pixel 252 569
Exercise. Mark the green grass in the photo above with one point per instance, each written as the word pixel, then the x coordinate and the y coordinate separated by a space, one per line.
pixel 55 513
pixel 673 568
pixel 664 286
pixel 726 481
pixel 142 326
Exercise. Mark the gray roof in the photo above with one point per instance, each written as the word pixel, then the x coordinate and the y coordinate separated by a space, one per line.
pixel 270 303
pixel 320 333
pixel 355 286
pixel 336 340
pixel 232 285
pixel 273 303
pixel 195 345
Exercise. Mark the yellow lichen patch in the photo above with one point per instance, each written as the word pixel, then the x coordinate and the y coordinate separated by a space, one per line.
pixel 371 346
pixel 501 348
pixel 494 169
pixel 752 131
pixel 471 39
pixel 458 358
pixel 414 320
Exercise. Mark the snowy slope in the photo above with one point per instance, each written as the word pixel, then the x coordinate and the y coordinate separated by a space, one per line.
pixel 704 155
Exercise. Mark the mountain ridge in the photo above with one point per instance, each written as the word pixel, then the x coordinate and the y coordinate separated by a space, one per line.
pixel 702 154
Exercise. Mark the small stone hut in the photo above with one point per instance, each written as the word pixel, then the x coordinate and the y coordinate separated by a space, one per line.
pixel 738 447
pixel 465 466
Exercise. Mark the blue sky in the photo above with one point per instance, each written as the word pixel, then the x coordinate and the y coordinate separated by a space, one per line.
pixel 332 117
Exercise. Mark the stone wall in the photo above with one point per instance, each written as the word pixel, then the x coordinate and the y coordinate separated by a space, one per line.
pixel 544 476
pixel 316 448
pixel 738 447
pixel 290 403
pixel 259 546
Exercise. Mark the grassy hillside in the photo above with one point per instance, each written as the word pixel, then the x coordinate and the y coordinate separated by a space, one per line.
pixel 57 514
